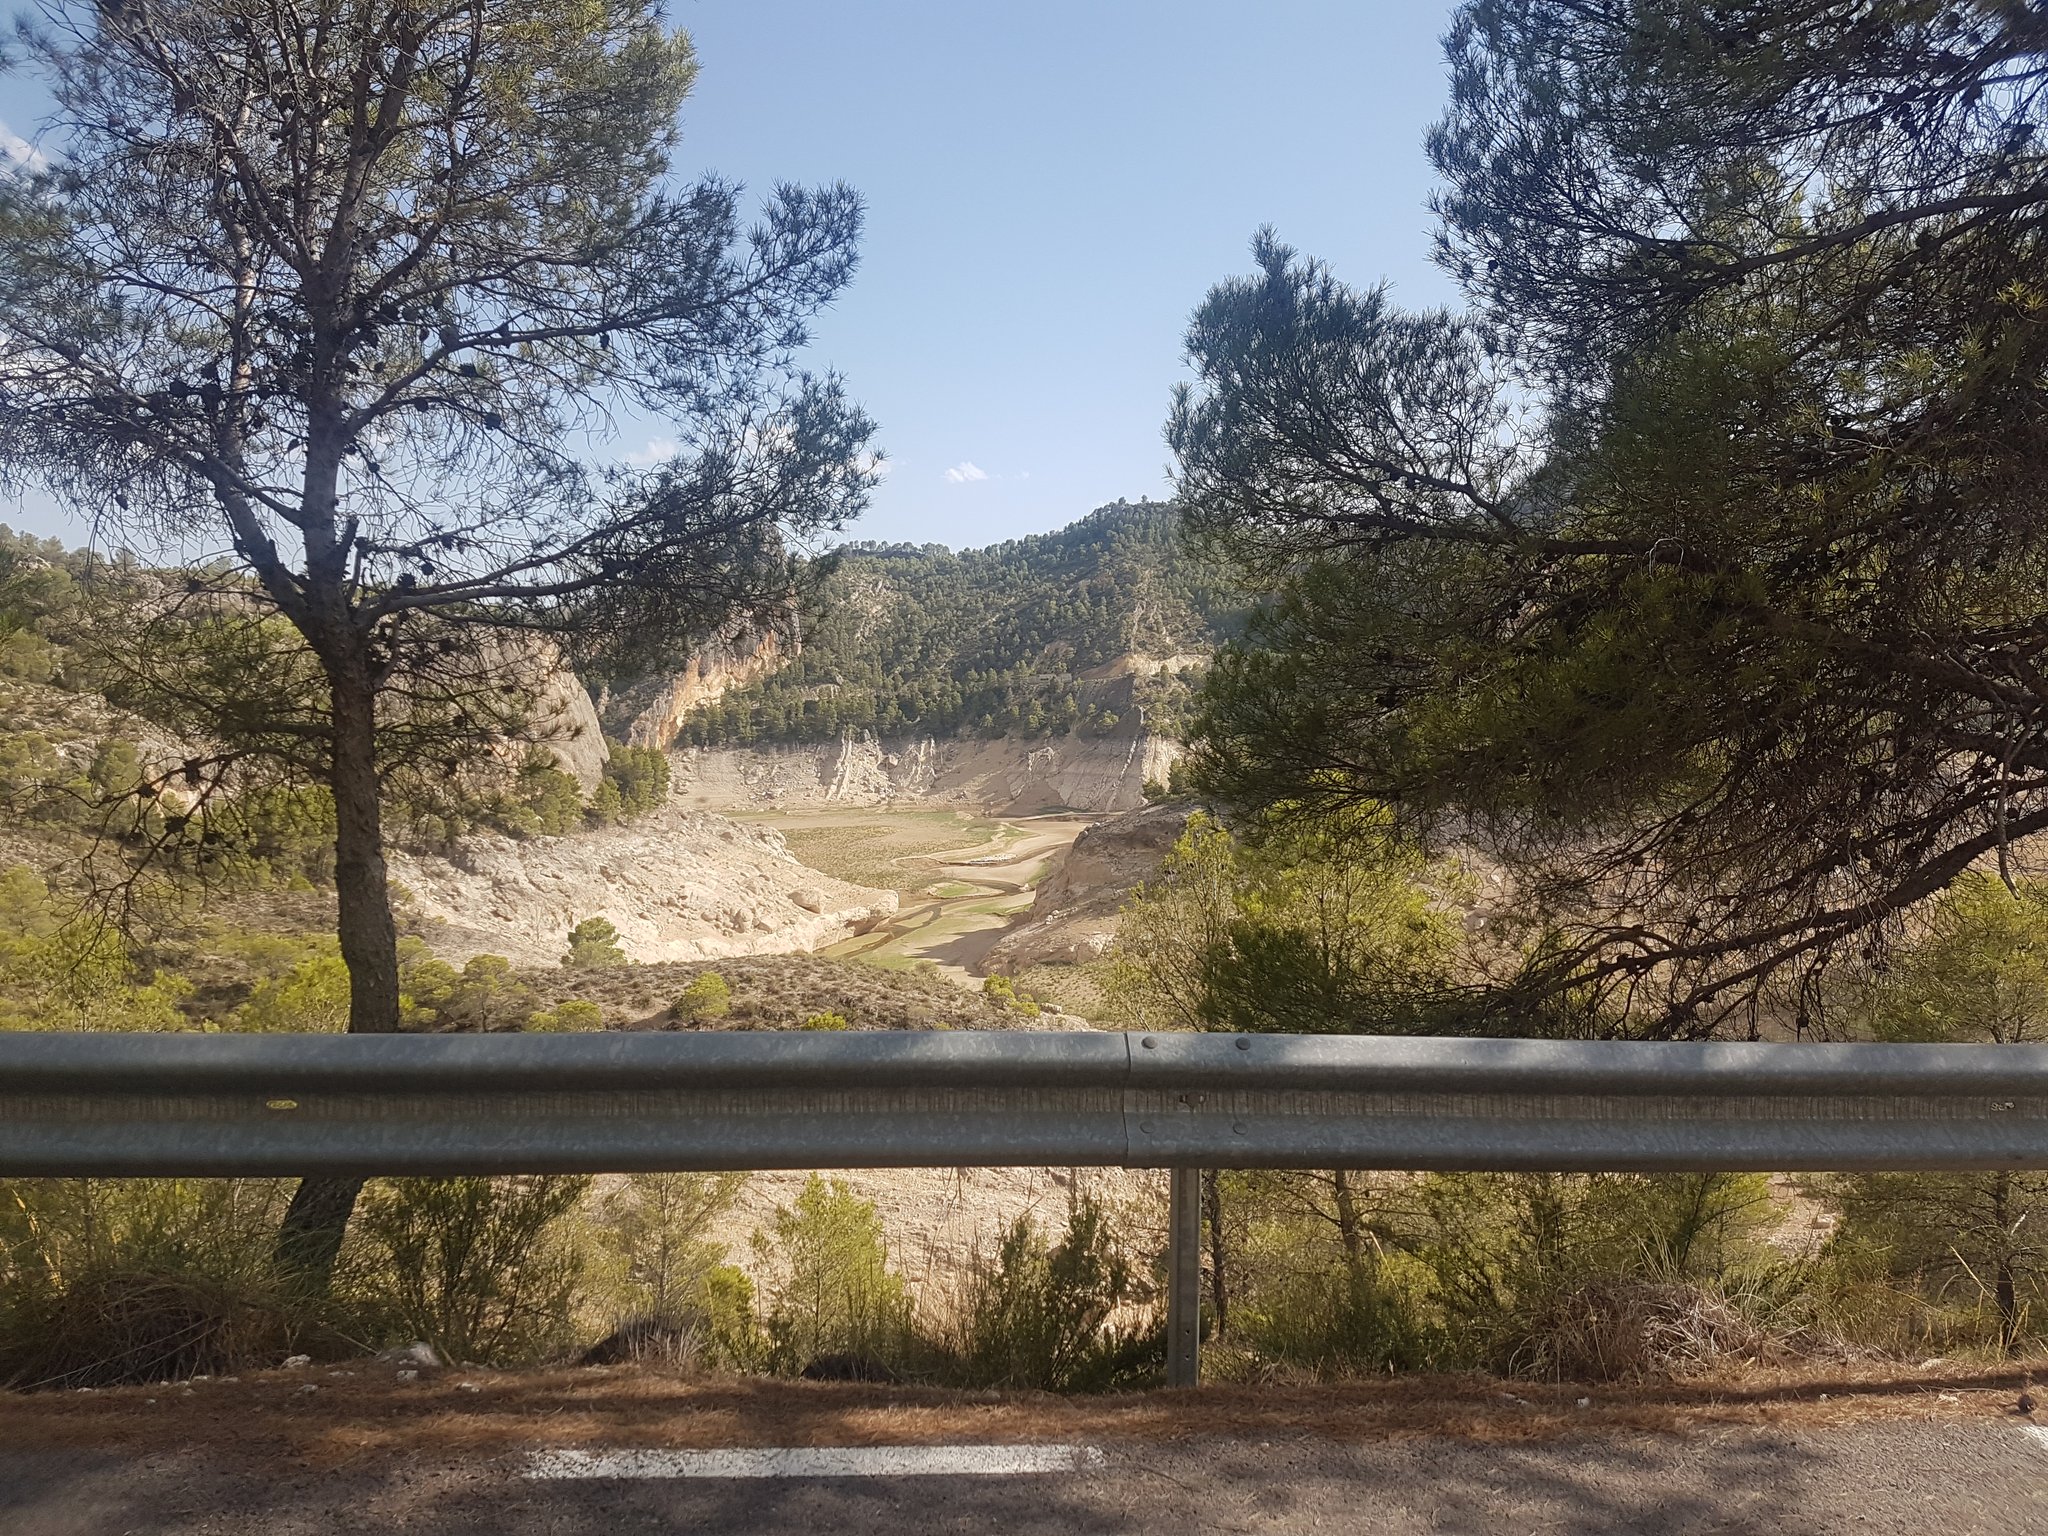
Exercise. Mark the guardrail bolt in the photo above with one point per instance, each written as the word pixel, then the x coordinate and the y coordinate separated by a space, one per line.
pixel 1148 1042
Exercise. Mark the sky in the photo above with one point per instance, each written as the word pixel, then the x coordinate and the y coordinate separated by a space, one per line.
pixel 1051 190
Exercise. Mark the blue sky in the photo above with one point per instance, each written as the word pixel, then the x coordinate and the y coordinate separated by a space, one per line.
pixel 1051 190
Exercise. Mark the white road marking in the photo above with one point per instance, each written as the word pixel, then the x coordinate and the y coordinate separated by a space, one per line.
pixel 2038 1433
pixel 820 1461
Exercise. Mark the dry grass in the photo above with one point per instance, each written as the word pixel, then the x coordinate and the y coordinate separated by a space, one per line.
pixel 370 1414
pixel 143 1327
pixel 1631 1330
pixel 888 850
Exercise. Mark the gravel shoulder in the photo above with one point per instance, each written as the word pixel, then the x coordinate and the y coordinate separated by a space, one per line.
pixel 1816 1451
pixel 322 1417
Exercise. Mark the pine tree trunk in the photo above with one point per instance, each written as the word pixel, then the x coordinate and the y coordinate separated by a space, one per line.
pixel 309 1239
pixel 369 938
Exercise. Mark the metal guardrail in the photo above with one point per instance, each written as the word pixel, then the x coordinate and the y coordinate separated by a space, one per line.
pixel 446 1104
pixel 200 1105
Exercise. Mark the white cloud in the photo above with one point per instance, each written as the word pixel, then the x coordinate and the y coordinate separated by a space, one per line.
pixel 966 472
pixel 658 450
pixel 15 148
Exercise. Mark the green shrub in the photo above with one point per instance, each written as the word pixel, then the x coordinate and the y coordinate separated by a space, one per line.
pixel 65 969
pixel 707 997
pixel 1526 1265
pixel 1342 1320
pixel 1003 991
pixel 311 998
pixel 594 944
pixel 827 1021
pixel 1316 1283
pixel 544 801
pixel 574 1016
pixel 665 1270
pixel 1047 1317
pixel 478 1268
pixel 486 995
pixel 833 1292
pixel 635 782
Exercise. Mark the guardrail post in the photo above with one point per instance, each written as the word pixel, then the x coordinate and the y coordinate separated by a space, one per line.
pixel 1184 1278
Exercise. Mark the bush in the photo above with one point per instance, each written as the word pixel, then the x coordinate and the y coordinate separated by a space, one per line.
pixel 1517 1259
pixel 593 944
pixel 486 995
pixel 112 1328
pixel 635 782
pixel 118 1280
pixel 575 1016
pixel 476 1267
pixel 1616 1328
pixel 1046 1317
pixel 312 997
pixel 1301 1299
pixel 679 1300
pixel 707 997
pixel 827 1021
pixel 834 1293
pixel 1003 991
pixel 544 801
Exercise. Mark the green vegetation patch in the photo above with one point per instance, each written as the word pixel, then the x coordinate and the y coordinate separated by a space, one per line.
pixel 889 850
pixel 995 641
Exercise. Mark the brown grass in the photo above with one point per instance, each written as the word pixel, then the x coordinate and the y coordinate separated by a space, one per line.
pixel 1625 1329
pixel 371 1415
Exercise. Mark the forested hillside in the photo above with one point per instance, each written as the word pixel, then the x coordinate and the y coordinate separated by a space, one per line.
pixel 1016 638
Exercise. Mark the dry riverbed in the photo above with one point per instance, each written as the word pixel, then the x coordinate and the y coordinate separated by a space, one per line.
pixel 961 879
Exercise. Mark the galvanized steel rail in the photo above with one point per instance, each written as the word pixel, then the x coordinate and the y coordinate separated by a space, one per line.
pixel 447 1104
pixel 450 1104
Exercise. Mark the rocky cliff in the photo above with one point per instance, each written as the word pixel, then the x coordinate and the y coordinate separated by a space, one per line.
pixel 652 712
pixel 680 885
pixel 1007 775
pixel 564 720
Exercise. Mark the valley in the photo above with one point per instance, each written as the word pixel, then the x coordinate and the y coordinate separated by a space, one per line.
pixel 955 900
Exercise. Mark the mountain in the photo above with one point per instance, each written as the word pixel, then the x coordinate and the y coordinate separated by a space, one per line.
pixel 1077 631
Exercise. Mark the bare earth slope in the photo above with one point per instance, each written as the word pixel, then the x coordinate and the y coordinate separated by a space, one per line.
pixel 1074 909
pixel 1006 776
pixel 680 885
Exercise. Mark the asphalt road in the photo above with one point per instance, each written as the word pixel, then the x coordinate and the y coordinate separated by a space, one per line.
pixel 1918 1478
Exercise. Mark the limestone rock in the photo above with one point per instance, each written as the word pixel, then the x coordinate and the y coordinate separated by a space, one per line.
pixel 652 712
pixel 678 885
pixel 566 724
pixel 1074 910
pixel 1007 776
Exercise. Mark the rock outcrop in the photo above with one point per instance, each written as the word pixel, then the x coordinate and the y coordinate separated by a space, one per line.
pixel 564 720
pixel 1073 913
pixel 1007 776
pixel 680 885
pixel 651 713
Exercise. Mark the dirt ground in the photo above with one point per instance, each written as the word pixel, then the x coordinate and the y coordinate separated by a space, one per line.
pixel 327 1417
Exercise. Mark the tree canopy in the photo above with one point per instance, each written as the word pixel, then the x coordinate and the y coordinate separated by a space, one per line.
pixel 345 291
pixel 1697 570
pixel 1015 638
